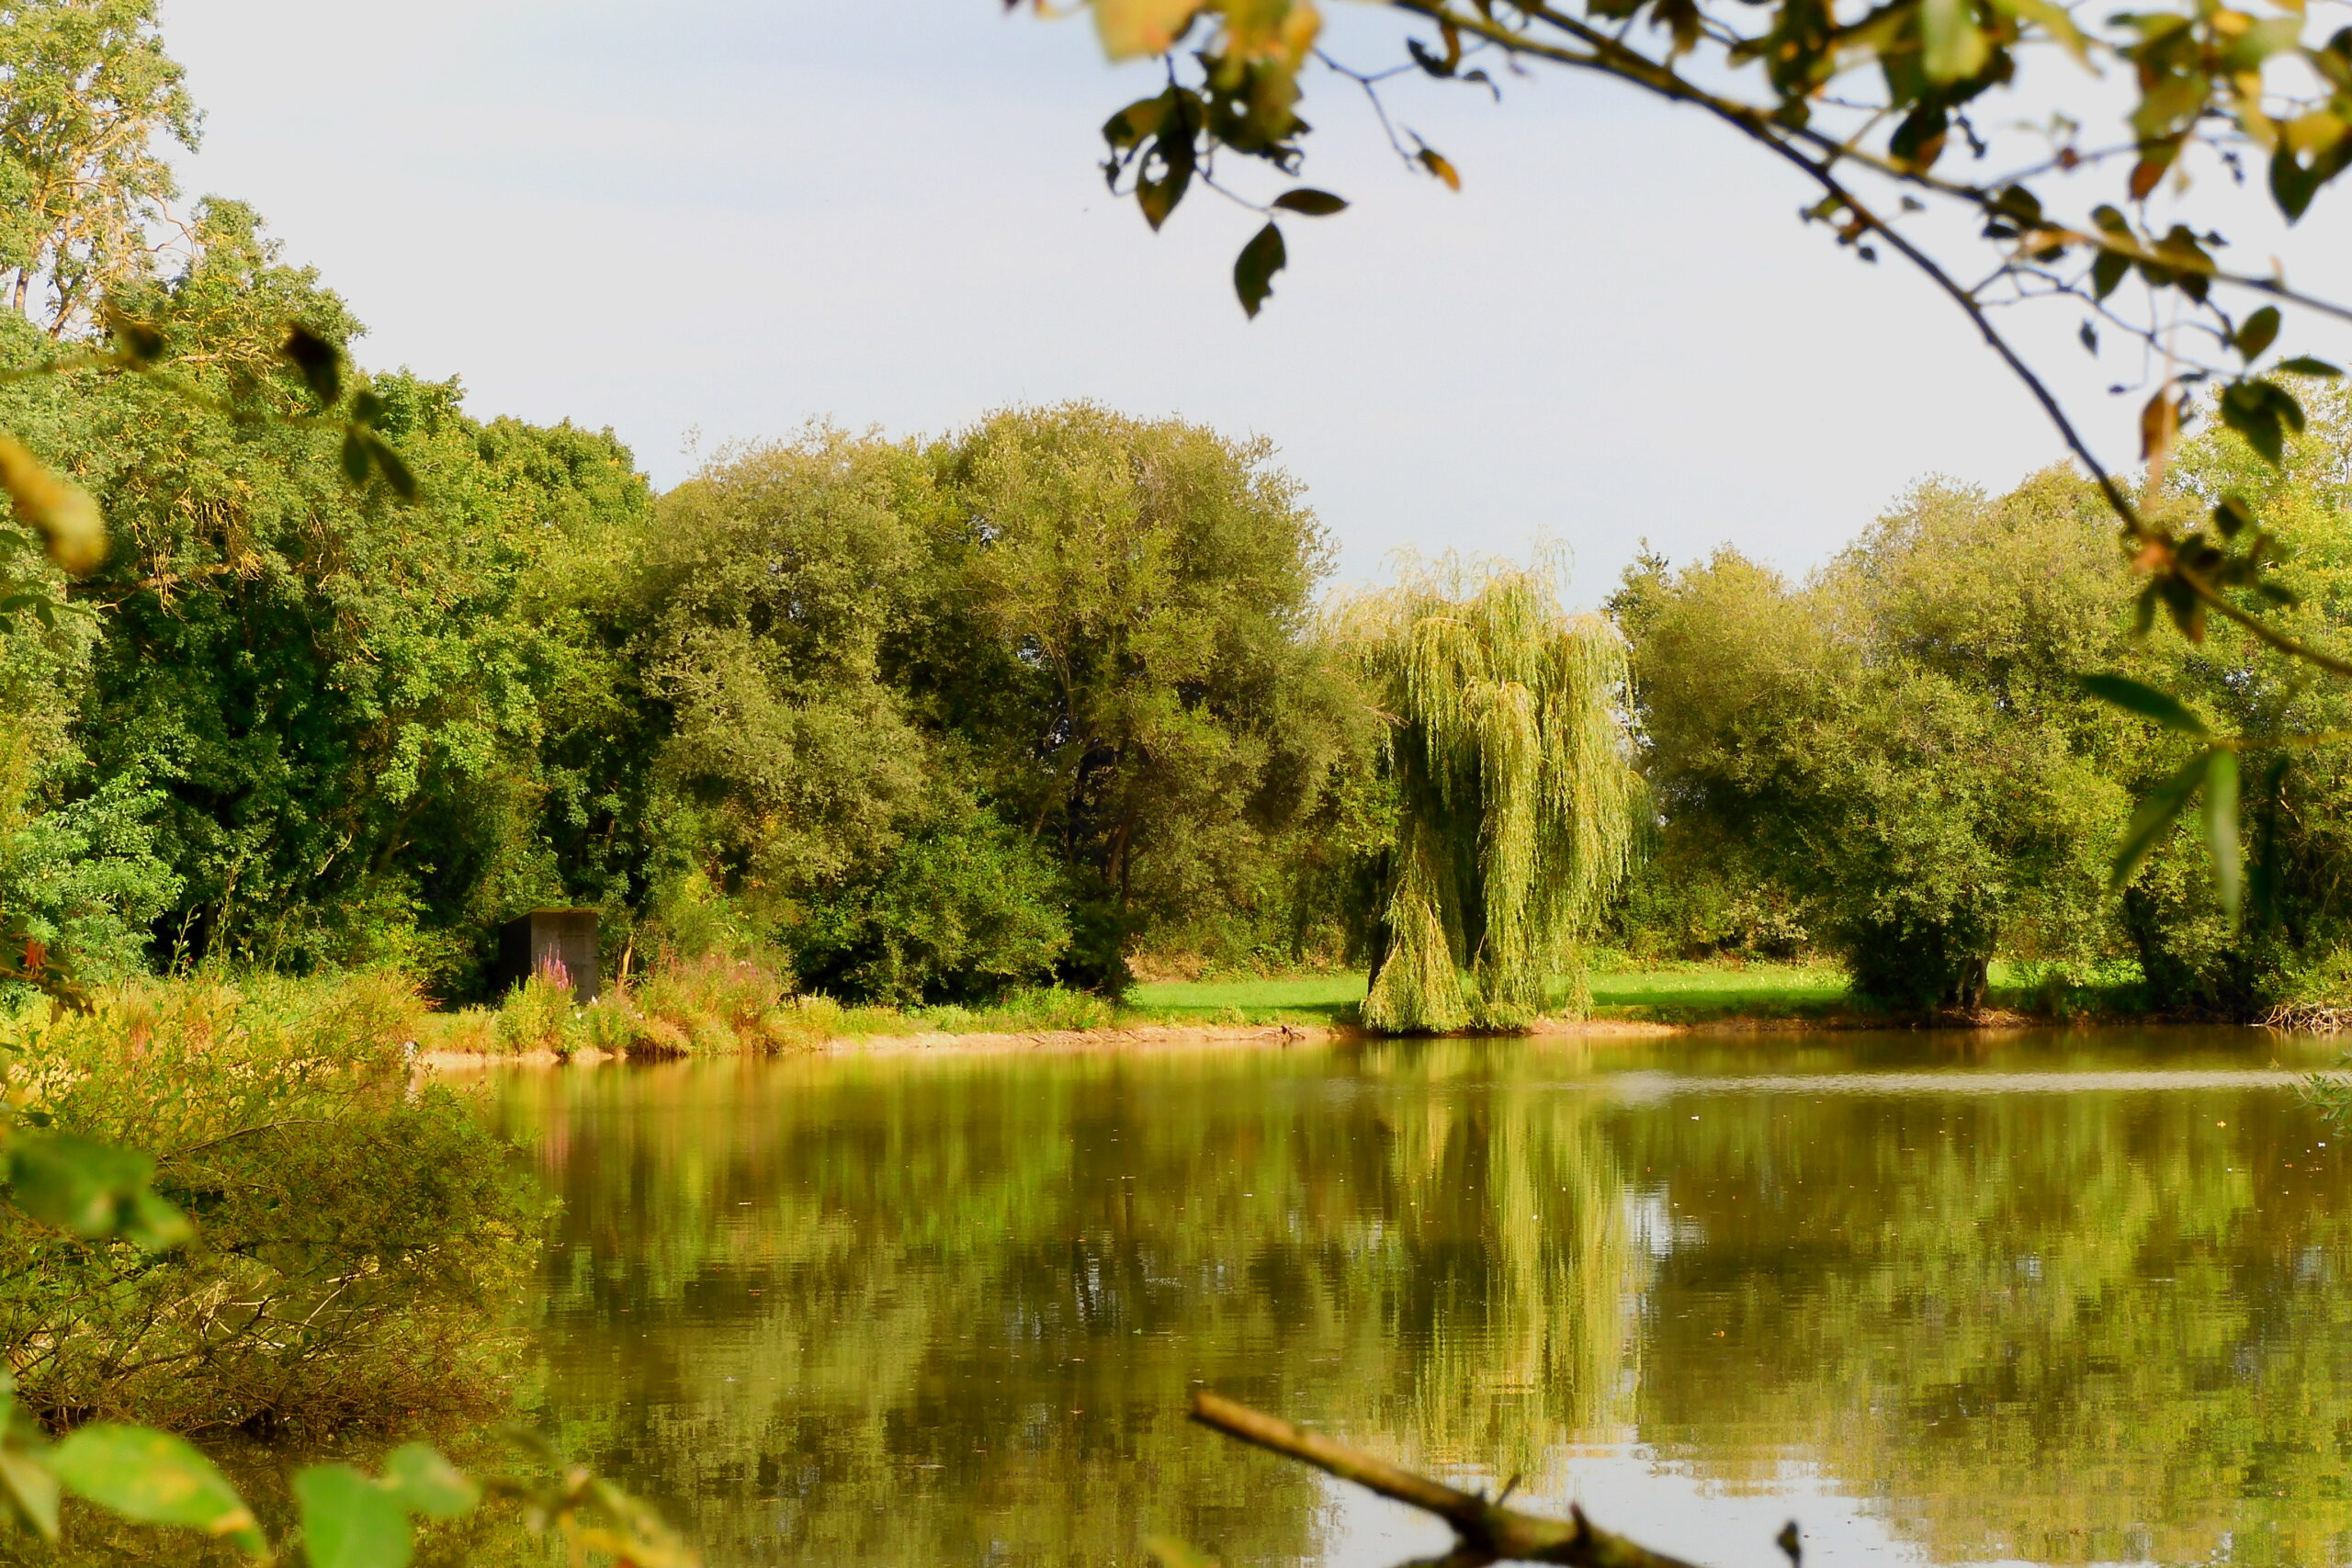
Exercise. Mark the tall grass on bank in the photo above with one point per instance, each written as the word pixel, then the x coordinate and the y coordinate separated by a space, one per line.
pixel 716 1005
pixel 362 1239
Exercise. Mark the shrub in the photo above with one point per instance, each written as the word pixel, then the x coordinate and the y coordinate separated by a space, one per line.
pixel 962 911
pixel 541 1015
pixel 362 1239
pixel 470 1031
pixel 612 1024
pixel 715 1003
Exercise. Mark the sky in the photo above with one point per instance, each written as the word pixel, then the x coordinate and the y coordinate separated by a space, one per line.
pixel 705 221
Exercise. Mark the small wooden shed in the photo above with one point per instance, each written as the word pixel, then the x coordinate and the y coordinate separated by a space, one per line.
pixel 545 938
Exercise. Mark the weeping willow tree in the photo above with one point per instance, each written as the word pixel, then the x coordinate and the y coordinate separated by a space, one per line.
pixel 1516 793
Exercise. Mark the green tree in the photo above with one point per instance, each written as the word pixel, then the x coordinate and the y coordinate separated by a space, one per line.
pixel 334 696
pixel 87 98
pixel 767 585
pixel 2294 941
pixel 1115 622
pixel 1901 743
pixel 1869 111
pixel 1515 796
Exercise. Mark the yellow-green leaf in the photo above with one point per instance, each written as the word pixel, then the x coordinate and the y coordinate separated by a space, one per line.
pixel 349 1521
pixel 2052 20
pixel 66 518
pixel 32 1490
pixel 2222 828
pixel 1130 29
pixel 154 1478
pixel 426 1484
pixel 1952 47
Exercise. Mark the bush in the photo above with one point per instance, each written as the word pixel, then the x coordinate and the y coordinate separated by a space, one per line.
pixel 962 911
pixel 715 1004
pixel 541 1015
pixel 468 1032
pixel 362 1240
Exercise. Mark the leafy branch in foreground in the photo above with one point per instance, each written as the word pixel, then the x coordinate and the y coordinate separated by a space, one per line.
pixel 1485 1531
pixel 1888 112
pixel 67 521
pixel 347 1517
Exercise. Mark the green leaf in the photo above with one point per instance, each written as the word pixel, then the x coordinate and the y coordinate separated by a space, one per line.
pixel 426 1484
pixel 1254 268
pixel 1139 119
pixel 1952 47
pixel 2304 364
pixel 320 362
pixel 73 1183
pixel 389 464
pixel 31 1489
pixel 355 458
pixel 348 1521
pixel 1310 202
pixel 2231 516
pixel 150 1223
pixel 2108 271
pixel 2251 410
pixel 2052 20
pixel 1156 197
pixel 154 1478
pixel 2222 828
pixel 2260 331
pixel 2157 811
pixel 2145 701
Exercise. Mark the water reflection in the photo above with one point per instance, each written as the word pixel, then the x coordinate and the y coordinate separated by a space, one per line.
pixel 2049 1298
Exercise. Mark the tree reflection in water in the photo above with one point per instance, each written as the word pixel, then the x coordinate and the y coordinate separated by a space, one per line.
pixel 911 1310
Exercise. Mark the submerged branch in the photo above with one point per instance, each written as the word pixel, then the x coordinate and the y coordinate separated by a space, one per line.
pixel 1485 1530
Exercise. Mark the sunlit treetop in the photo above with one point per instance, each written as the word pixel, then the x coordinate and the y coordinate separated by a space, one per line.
pixel 1913 125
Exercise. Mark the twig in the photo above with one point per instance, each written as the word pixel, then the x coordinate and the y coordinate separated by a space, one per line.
pixel 1486 1531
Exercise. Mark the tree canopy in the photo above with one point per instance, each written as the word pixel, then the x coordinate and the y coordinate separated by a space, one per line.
pixel 1515 793
pixel 1873 108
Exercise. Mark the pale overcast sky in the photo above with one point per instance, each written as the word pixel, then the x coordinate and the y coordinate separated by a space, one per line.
pixel 732 217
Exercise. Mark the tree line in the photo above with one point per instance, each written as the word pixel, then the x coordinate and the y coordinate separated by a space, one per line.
pixel 937 716
pixel 929 717
pixel 1898 759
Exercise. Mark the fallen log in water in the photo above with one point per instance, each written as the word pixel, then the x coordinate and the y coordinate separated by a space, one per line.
pixel 1485 1531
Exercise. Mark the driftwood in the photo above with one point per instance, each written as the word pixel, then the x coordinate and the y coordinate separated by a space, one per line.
pixel 2309 1017
pixel 1485 1531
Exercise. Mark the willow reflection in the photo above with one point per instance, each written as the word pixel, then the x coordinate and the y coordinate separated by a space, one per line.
pixel 899 1311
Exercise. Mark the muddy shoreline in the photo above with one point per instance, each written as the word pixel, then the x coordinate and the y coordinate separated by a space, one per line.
pixel 1166 1037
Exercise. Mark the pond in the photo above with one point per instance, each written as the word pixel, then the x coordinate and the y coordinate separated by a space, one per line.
pixel 2041 1296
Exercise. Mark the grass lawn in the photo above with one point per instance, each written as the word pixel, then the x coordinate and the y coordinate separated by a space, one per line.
pixel 1677 991
pixel 1719 990
pixel 1667 992
pixel 1296 999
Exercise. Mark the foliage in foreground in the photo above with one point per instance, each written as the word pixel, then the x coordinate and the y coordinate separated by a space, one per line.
pixel 360 1243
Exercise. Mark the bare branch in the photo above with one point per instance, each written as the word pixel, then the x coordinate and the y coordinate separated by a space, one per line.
pixel 1486 1531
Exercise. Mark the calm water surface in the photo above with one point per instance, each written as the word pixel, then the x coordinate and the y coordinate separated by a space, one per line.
pixel 2044 1298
